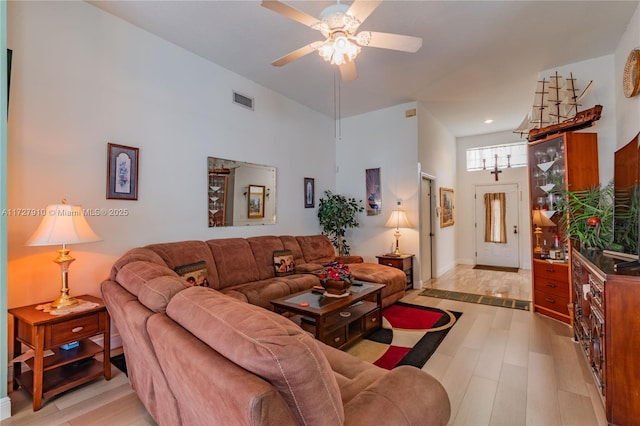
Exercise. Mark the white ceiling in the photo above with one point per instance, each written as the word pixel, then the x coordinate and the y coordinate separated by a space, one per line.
pixel 479 59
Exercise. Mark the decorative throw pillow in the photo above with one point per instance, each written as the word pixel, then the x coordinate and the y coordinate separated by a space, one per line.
pixel 194 273
pixel 283 262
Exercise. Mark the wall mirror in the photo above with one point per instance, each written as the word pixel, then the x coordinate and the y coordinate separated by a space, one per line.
pixel 240 193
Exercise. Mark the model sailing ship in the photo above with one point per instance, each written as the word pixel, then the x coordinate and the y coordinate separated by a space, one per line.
pixel 556 109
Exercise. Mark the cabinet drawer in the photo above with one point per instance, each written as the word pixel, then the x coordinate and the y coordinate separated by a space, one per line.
pixel 553 271
pixel 336 338
pixel 552 302
pixel 398 263
pixel 548 285
pixel 372 320
pixel 75 329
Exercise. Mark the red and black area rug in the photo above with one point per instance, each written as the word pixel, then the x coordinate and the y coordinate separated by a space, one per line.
pixel 409 335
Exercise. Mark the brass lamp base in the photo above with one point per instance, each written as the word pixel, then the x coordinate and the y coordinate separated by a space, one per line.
pixel 397 251
pixel 64 301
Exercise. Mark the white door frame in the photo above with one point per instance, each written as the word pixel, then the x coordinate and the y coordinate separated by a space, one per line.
pixel 427 246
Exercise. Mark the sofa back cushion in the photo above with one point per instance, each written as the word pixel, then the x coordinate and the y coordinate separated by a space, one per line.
pixel 235 262
pixel 266 344
pixel 316 249
pixel 133 255
pixel 183 253
pixel 152 284
pixel 263 248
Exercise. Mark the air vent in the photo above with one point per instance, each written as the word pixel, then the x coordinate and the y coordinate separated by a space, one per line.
pixel 243 100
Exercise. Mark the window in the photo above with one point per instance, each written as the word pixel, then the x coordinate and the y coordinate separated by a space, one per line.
pixel 509 155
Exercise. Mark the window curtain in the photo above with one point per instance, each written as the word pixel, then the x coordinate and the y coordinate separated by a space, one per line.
pixel 495 227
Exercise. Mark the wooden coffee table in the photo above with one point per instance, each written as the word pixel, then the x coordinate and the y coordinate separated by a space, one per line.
pixel 338 322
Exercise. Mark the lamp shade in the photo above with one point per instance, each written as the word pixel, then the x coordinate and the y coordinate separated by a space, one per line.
pixel 539 218
pixel 63 224
pixel 398 219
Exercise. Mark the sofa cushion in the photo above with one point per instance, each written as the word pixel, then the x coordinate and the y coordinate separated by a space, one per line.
pixel 187 252
pixel 133 255
pixel 261 293
pixel 316 249
pixel 263 248
pixel 154 285
pixel 267 345
pixel 291 243
pixel 234 260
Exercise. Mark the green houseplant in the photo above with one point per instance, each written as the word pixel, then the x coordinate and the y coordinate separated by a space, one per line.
pixel 586 216
pixel 337 213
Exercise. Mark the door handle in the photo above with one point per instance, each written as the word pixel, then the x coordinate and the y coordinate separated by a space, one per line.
pixel 515 229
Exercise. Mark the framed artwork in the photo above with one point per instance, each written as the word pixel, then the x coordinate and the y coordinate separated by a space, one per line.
pixel 122 172
pixel 374 198
pixel 309 193
pixel 446 207
pixel 256 202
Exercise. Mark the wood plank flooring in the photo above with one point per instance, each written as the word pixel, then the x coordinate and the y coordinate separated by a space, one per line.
pixel 500 366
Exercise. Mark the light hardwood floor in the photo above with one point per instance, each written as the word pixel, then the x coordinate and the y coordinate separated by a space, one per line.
pixel 500 367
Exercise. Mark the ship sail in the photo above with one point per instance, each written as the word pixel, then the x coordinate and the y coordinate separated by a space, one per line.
pixel 555 106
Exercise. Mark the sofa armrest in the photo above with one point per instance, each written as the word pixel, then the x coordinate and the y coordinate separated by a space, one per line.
pixel 349 259
pixel 404 396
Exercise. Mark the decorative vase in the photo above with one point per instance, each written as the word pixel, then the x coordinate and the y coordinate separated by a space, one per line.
pixel 336 288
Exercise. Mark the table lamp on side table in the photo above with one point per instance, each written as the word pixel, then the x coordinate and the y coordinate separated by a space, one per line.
pixel 63 224
pixel 398 219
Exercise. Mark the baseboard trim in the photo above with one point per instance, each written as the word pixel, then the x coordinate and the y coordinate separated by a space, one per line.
pixel 5 408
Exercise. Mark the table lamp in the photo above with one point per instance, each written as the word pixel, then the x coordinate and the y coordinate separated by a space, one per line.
pixel 398 219
pixel 540 219
pixel 63 224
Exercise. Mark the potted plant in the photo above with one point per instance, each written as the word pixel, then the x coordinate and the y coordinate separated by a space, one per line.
pixel 335 278
pixel 586 216
pixel 337 213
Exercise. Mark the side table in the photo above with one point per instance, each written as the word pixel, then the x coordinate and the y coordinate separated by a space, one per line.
pixel 65 369
pixel 403 262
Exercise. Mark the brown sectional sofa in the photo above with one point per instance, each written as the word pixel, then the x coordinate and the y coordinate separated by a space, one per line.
pixel 200 355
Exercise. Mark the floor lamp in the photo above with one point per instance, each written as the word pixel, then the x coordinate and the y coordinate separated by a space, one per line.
pixel 63 224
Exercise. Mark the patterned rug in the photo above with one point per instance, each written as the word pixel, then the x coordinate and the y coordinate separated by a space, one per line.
pixel 503 302
pixel 410 334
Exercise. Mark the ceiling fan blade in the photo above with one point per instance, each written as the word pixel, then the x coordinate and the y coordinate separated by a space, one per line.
pixel 290 12
pixel 297 54
pixel 348 71
pixel 361 9
pixel 389 41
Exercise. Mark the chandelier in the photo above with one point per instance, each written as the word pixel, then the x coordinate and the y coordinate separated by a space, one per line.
pixel 338 49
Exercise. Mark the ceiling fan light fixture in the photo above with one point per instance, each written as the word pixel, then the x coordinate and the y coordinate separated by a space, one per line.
pixel 339 49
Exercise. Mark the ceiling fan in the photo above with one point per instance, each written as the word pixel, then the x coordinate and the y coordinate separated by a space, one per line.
pixel 338 23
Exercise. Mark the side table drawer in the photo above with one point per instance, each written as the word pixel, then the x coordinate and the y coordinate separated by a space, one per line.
pixel 553 271
pixel 75 329
pixel 398 263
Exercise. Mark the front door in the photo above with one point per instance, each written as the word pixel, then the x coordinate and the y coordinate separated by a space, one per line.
pixel 498 254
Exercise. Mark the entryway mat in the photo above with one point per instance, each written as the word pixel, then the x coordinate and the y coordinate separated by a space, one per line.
pixel 525 305
pixel 496 268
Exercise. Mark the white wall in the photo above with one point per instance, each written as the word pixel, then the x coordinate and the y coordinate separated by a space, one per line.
pixel 627 110
pixel 466 187
pixel 437 157
pixel 83 78
pixel 388 140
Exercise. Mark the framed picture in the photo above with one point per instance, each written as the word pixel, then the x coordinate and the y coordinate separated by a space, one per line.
pixel 446 207
pixel 256 202
pixel 374 197
pixel 122 172
pixel 309 193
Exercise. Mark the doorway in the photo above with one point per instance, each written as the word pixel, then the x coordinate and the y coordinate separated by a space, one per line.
pixel 426 228
pixel 505 254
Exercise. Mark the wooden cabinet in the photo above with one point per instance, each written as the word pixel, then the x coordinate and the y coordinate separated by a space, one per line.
pixel 61 370
pixel 607 328
pixel 404 262
pixel 559 162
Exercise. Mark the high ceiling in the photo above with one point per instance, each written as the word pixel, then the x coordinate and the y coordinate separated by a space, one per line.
pixel 479 59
